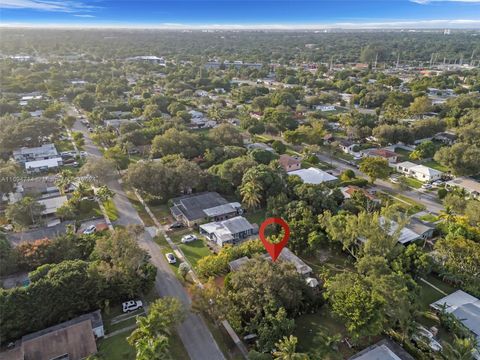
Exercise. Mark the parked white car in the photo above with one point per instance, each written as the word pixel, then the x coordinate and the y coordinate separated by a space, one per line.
pixel 427 186
pixel 171 258
pixel 131 305
pixel 394 179
pixel 188 238
pixel 426 336
pixel 90 230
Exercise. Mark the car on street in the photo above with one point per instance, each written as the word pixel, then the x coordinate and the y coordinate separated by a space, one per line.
pixel 175 225
pixel 131 305
pixel 90 230
pixel 188 238
pixel 171 258
pixel 394 179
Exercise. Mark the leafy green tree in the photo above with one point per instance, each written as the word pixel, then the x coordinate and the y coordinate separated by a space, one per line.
pixel 98 170
pixel 353 300
pixel 103 193
pixel 461 157
pixel 460 349
pixel 287 349
pixel 279 147
pixel 85 101
pixel 174 141
pixel 423 151
pixel 420 105
pixel 226 134
pixel 375 168
pixel 25 212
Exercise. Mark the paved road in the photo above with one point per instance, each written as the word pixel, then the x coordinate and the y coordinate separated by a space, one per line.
pixel 427 199
pixel 195 335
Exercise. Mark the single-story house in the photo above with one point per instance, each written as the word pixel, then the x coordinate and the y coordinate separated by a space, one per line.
pixel 348 146
pixel 420 172
pixel 285 255
pixel 471 186
pixel 313 176
pixel 37 166
pixel 73 340
pixel 260 146
pixel 445 137
pixel 348 191
pixel 196 208
pixel 44 152
pixel 229 231
pixel 383 350
pixel 390 156
pixel 52 204
pixel 466 308
pixel 290 163
pixel 413 231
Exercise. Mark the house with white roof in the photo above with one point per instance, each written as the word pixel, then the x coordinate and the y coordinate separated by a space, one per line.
pixel 420 172
pixel 230 231
pixel 44 152
pixel 52 204
pixel 313 176
pixel 37 166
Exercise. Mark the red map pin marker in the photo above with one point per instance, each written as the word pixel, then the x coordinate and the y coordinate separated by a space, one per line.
pixel 274 249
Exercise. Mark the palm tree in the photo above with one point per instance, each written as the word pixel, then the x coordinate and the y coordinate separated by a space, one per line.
pixel 251 194
pixel 64 179
pixel 287 350
pixel 461 349
pixel 103 193
pixel 448 214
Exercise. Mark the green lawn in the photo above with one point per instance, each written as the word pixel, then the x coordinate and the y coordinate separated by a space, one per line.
pixel 194 251
pixel 256 217
pixel 435 165
pixel 312 331
pixel 147 220
pixel 408 205
pixel 429 218
pixel 64 145
pixel 90 210
pixel 161 212
pixel 116 348
pixel 414 183
pixel 404 153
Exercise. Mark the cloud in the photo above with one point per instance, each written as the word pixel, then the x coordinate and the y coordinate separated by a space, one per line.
pixel 47 5
pixel 84 15
pixel 424 2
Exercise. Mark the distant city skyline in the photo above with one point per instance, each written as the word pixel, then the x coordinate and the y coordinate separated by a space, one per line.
pixel 235 14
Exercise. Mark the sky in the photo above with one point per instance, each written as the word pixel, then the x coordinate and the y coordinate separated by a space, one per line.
pixel 236 14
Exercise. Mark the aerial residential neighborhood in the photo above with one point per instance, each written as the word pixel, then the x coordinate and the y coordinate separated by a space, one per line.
pixel 138 164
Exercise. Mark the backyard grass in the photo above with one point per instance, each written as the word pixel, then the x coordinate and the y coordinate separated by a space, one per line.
pixel 64 145
pixel 435 165
pixel 429 218
pixel 116 348
pixel 256 217
pixel 194 251
pixel 313 330
pixel 161 212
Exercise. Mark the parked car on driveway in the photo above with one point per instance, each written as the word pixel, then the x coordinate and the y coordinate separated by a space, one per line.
pixel 171 258
pixel 131 305
pixel 188 238
pixel 175 225
pixel 90 230
pixel 427 186
pixel 394 179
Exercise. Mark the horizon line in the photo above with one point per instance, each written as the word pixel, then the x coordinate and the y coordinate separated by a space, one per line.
pixel 437 24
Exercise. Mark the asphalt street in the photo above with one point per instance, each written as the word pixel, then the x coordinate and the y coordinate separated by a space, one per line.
pixel 194 333
pixel 425 198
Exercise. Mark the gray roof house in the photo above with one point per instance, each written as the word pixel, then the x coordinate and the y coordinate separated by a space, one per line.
pixel 229 231
pixel 73 340
pixel 196 208
pixel 466 308
pixel 383 350
pixel 44 152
